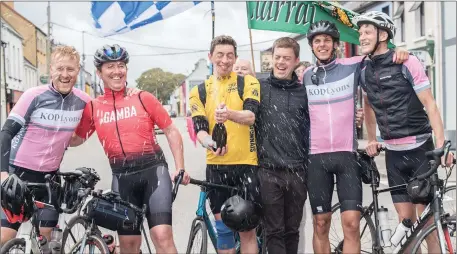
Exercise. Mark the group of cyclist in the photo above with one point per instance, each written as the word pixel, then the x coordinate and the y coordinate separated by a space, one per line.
pixel 287 137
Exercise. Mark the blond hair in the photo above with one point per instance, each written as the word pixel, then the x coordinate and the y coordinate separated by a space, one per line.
pixel 65 51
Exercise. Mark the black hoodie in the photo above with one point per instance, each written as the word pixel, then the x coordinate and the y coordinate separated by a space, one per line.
pixel 282 124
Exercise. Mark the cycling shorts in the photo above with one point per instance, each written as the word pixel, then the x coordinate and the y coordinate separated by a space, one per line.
pixel 241 176
pixel 151 186
pixel 403 165
pixel 47 217
pixel 322 171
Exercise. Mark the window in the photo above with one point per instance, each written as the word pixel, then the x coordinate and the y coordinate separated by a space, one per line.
pixel 419 14
pixel 13 64
pixel 19 67
pixel 386 10
pixel 399 18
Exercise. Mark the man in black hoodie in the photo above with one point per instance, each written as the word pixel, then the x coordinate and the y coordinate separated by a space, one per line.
pixel 282 129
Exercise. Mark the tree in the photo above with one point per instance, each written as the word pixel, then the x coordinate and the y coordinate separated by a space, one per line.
pixel 160 83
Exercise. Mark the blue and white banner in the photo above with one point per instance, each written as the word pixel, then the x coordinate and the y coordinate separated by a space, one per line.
pixel 120 17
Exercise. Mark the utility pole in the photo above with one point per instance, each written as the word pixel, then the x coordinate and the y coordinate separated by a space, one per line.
pixel 83 71
pixel 49 46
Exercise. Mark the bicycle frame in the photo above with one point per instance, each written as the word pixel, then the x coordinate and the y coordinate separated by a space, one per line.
pixel 203 215
pixel 434 208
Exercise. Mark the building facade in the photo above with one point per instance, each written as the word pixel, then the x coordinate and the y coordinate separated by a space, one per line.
pixel 24 27
pixel 30 75
pixel 13 65
pixel 41 44
pixel 198 75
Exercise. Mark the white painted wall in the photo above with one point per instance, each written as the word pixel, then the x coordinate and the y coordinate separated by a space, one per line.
pixel 14 57
pixel 30 75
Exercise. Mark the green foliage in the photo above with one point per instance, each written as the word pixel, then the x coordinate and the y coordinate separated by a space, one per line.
pixel 160 83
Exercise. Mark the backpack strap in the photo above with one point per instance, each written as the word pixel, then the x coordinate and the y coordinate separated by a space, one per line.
pixel 202 93
pixel 240 85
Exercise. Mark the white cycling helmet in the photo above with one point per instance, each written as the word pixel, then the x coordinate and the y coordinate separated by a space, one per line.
pixel 378 19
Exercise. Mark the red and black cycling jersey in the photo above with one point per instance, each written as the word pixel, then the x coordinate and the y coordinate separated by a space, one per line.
pixel 125 128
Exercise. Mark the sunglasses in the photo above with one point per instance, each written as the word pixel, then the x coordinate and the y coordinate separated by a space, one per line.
pixel 112 53
pixel 314 78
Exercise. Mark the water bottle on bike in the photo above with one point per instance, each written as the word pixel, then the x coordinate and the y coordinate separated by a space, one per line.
pixel 400 231
pixel 56 238
pixel 384 226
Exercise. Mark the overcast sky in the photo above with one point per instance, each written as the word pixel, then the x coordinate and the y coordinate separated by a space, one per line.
pixel 190 30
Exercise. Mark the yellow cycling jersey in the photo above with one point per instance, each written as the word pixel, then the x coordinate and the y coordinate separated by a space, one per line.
pixel 241 143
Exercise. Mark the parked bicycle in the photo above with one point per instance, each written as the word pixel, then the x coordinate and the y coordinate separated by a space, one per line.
pixel 107 210
pixel 32 241
pixel 443 223
pixel 203 226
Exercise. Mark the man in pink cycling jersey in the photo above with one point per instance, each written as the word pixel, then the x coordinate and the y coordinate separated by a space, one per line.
pixel 332 87
pixel 37 131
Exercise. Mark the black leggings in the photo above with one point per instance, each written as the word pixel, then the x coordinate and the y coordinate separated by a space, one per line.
pixel 323 168
pixel 151 186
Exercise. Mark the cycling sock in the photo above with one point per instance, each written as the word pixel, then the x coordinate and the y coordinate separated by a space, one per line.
pixel 225 236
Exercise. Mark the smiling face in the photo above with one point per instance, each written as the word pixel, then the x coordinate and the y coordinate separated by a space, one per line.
pixel 368 37
pixel 223 58
pixel 284 63
pixel 243 67
pixel 323 46
pixel 114 75
pixel 64 71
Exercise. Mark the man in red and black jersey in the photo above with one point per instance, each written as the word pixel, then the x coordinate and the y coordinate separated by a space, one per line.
pixel 125 128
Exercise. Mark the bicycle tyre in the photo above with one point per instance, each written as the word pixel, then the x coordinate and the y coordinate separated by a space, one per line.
pixel 369 222
pixel 424 233
pixel 198 226
pixel 13 242
pixel 96 240
pixel 84 220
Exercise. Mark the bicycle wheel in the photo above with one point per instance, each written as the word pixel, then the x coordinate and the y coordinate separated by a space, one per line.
pixel 428 236
pixel 74 231
pixel 94 245
pixel 16 245
pixel 336 232
pixel 192 246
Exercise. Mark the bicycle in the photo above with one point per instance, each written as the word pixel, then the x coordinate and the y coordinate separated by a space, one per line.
pixel 33 242
pixel 420 230
pixel 202 223
pixel 91 223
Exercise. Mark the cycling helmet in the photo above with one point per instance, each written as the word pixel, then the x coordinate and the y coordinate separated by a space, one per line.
pixel 14 204
pixel 379 20
pixel 323 27
pixel 239 215
pixel 110 54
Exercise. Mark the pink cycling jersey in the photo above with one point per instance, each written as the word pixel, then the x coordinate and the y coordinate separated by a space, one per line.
pixel 331 100
pixel 48 121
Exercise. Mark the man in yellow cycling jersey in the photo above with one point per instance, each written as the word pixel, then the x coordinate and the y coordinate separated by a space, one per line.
pixel 232 100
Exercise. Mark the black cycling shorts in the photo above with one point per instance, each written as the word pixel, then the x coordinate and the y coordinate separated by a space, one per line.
pixel 403 165
pixel 241 176
pixel 151 186
pixel 47 217
pixel 322 170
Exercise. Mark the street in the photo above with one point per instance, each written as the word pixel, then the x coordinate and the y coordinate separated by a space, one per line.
pixel 91 154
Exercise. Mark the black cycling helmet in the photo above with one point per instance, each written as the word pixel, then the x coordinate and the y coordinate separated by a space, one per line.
pixel 110 54
pixel 239 215
pixel 14 194
pixel 323 27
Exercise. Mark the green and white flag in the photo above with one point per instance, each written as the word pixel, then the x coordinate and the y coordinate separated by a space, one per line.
pixel 295 17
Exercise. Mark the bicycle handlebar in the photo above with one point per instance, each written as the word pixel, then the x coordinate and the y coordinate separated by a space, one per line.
pixel 178 180
pixel 212 185
pixel 435 159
